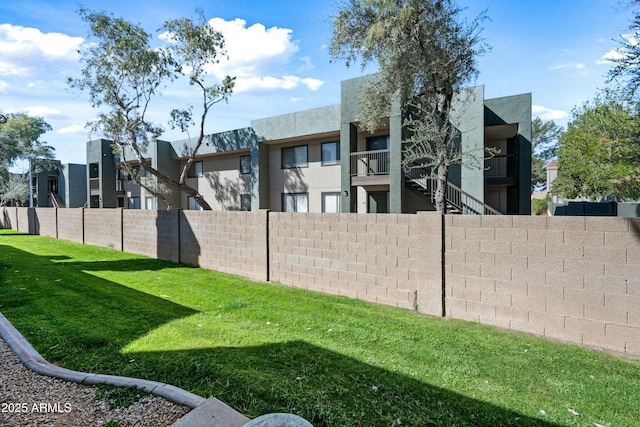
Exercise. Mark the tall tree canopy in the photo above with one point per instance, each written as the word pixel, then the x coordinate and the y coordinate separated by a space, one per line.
pixel 599 154
pixel 544 145
pixel 426 54
pixel 20 140
pixel 125 73
pixel 627 61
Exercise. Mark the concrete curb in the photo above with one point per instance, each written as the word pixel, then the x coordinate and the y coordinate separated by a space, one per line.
pixel 32 360
pixel 206 412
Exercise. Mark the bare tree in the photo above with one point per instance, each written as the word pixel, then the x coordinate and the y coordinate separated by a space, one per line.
pixel 125 73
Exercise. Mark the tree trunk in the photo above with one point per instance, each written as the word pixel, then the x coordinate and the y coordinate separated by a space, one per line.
pixel 441 188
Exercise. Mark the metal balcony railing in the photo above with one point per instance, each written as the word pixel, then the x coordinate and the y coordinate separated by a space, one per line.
pixel 501 166
pixel 370 163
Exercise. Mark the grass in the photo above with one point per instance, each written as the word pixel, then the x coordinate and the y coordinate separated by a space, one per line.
pixel 265 348
pixel 119 397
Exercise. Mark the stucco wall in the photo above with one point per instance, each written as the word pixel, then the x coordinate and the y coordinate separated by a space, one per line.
pixel 222 183
pixel 313 179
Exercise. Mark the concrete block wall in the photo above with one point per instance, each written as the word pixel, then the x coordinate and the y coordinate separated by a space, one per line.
pixel 151 233
pixel 103 227
pixel 385 258
pixel 575 279
pixel 232 242
pixel 46 222
pixel 571 278
pixel 8 217
pixel 71 224
pixel 25 220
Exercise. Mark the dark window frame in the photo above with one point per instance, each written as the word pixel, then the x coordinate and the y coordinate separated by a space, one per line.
pixel 294 164
pixel 330 162
pixel 247 170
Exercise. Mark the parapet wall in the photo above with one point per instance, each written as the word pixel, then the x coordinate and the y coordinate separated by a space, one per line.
pixel 571 278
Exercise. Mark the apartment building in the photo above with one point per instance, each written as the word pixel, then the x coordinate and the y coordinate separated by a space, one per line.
pixel 320 160
pixel 64 187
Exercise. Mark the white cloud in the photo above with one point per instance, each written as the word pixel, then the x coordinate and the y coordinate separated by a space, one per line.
pixel 306 63
pixel 578 67
pixel 39 111
pixel 548 114
pixel 268 82
pixel 619 52
pixel 23 48
pixel 258 55
pixel 3 86
pixel 74 129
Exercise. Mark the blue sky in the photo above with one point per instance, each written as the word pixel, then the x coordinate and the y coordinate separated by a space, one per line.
pixel 555 49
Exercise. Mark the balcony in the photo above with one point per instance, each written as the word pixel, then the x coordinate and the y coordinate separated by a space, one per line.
pixel 370 167
pixel 94 186
pixel 501 170
pixel 120 185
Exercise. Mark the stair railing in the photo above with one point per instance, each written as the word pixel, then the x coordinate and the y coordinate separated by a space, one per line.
pixel 454 195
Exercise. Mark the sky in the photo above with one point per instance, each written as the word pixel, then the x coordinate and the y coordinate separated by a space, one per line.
pixel 558 50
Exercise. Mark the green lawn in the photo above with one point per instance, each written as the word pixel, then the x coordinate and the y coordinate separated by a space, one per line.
pixel 266 348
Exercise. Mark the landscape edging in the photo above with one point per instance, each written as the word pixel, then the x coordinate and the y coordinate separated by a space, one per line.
pixel 34 361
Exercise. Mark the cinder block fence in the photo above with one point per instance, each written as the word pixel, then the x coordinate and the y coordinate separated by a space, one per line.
pixel 575 279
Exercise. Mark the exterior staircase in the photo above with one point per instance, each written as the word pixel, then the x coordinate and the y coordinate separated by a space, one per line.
pixel 56 200
pixel 457 200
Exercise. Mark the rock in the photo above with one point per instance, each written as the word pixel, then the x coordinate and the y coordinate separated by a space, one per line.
pixel 279 420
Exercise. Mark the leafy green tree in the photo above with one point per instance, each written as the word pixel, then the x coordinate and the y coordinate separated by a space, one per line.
pixel 125 73
pixel 20 140
pixel 426 54
pixel 544 145
pixel 599 154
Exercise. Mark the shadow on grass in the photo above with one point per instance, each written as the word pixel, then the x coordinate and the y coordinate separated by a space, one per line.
pixel 327 388
pixel 70 313
pixel 82 322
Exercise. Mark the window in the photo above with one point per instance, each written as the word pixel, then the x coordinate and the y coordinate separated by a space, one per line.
pixel 134 202
pixel 331 153
pixel 294 157
pixel 378 143
pixel 150 203
pixel 295 202
pixel 331 202
pixel 94 170
pixel 245 164
pixel 245 202
pixel 196 170
pixel 193 205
